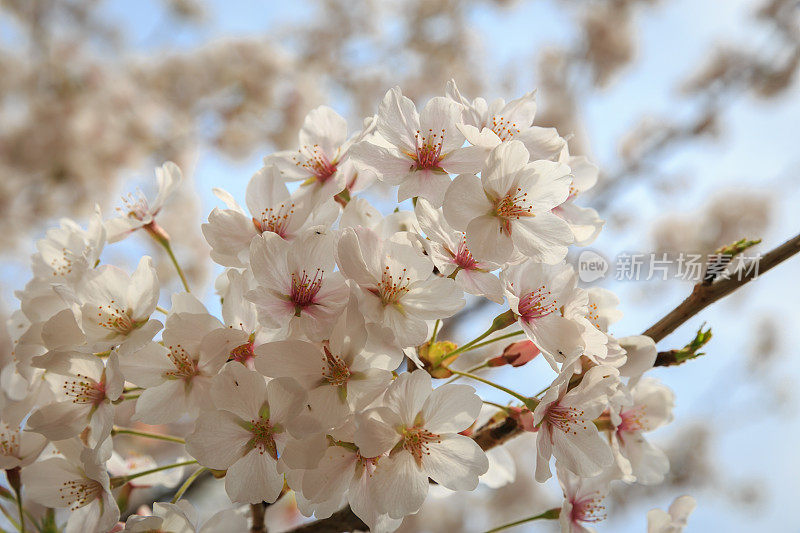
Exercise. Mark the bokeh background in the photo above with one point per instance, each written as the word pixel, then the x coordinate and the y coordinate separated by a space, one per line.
pixel 690 108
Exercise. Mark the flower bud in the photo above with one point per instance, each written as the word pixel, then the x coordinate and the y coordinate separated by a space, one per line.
pixel 524 418
pixel 516 354
pixel 436 359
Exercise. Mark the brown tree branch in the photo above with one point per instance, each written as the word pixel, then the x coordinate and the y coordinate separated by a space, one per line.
pixel 257 515
pixel 343 520
pixel 496 433
pixel 704 295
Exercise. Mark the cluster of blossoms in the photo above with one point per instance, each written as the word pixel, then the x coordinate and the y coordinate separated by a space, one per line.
pixel 322 373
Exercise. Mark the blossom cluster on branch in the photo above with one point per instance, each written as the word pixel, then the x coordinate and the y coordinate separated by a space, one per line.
pixel 322 373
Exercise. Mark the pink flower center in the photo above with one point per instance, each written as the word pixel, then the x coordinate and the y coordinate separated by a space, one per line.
pixel 537 304
pixel 513 206
pixel 429 149
pixel 417 441
pixel 275 219
pixel 317 164
pixel 391 290
pixel 589 509
pixel 463 257
pixel 565 419
pixel 369 464
pixel 304 289
pixel 632 419
pixel 83 389
pixel 573 192
pixel 503 128
pixel 243 353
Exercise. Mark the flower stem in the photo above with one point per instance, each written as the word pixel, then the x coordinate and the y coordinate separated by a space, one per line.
pixel 168 248
pixel 118 481
pixel 480 345
pixel 126 396
pixel 541 392
pixel 21 513
pixel 146 434
pixel 499 406
pixel 503 320
pixel 550 514
pixel 9 517
pixel 516 395
pixel 188 483
pixel 490 341
pixel 15 482
pixel 435 330
pixel 470 371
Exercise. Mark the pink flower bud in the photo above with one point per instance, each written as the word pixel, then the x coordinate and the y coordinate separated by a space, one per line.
pixel 524 418
pixel 516 354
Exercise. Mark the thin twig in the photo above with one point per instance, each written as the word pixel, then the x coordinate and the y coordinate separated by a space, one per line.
pixel 704 295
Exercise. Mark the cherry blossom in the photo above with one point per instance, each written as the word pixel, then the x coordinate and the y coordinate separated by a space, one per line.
pixel 417 150
pixel 508 209
pixel 584 222
pixel 488 124
pixel 659 521
pixel 640 353
pixel 359 212
pixel 338 374
pixel 344 469
pixel 297 287
pixel 340 474
pixel 565 418
pixel 76 480
pixel 537 294
pixel 272 210
pixel 137 212
pixel 641 409
pixel 584 501
pixel 177 376
pixel 85 388
pixel 182 517
pixel 18 448
pixel 419 426
pixel 66 253
pixel 322 161
pixel 116 309
pixel 397 284
pixel 449 252
pixel 240 314
pixel 594 310
pixel 246 431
